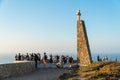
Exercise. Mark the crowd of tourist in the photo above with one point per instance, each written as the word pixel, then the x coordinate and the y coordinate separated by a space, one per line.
pixel 58 59
pixel 105 58
pixel 27 56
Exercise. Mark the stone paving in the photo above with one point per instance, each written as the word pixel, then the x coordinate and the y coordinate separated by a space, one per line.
pixel 53 65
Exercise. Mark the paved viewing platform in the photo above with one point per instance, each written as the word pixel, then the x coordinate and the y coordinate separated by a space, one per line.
pixel 41 74
pixel 51 72
pixel 53 65
pixel 49 65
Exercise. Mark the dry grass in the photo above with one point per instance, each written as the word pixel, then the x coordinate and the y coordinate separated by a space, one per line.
pixel 92 67
pixel 109 71
pixel 100 71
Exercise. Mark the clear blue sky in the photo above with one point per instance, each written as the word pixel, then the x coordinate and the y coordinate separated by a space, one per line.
pixel 50 25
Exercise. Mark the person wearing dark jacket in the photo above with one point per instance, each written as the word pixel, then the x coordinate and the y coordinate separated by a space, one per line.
pixel 36 59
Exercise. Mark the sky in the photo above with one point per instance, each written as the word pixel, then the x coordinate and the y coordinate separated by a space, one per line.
pixel 50 25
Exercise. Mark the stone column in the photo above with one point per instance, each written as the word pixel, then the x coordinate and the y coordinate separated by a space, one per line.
pixel 83 49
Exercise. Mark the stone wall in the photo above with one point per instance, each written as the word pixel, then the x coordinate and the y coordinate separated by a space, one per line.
pixel 15 69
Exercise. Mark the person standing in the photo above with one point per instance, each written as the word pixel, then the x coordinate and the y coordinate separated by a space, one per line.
pixel 57 57
pixel 16 57
pixel 98 58
pixel 51 59
pixel 45 59
pixel 19 56
pixel 27 56
pixel 39 57
pixel 35 59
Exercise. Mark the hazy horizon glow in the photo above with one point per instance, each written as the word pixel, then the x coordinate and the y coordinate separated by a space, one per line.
pixel 50 26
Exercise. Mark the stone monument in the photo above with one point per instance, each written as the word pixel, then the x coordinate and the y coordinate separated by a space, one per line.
pixel 83 49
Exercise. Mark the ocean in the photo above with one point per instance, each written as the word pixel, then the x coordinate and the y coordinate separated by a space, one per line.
pixel 111 56
pixel 9 58
pixel 6 58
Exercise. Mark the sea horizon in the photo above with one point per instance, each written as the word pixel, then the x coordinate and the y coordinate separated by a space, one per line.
pixel 9 58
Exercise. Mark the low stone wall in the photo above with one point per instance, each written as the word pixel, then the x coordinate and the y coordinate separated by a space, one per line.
pixel 15 69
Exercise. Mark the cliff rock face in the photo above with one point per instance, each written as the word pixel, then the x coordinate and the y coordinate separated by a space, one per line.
pixel 83 49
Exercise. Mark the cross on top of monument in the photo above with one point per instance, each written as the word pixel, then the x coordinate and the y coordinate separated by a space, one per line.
pixel 78 14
